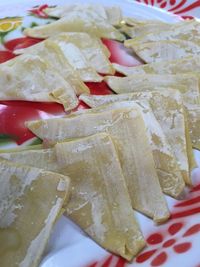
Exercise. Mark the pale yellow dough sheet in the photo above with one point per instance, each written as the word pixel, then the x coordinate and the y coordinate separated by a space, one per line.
pixel 92 48
pixel 168 109
pixel 144 28
pixel 184 30
pixel 126 126
pixel 54 56
pixel 31 199
pixel 30 78
pixel 73 57
pixel 159 51
pixel 111 13
pixel 99 201
pixel 187 84
pixel 184 65
pixel 77 21
pixel 167 168
pixel 194 126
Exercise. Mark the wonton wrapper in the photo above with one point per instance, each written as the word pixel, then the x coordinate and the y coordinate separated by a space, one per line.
pixel 168 110
pixel 144 28
pixel 163 50
pixel 77 21
pixel 143 82
pixel 141 22
pixel 75 57
pixel 30 78
pixel 92 48
pixel 53 55
pixel 126 126
pixel 99 201
pixel 183 65
pixel 113 14
pixel 167 168
pixel 183 30
pixel 79 62
pixel 187 84
pixel 31 201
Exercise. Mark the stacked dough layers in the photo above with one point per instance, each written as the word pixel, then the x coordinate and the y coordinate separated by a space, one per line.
pixel 118 157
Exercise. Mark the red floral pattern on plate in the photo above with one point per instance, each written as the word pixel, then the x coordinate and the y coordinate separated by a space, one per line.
pixel 39 11
pixel 183 8
pixel 174 237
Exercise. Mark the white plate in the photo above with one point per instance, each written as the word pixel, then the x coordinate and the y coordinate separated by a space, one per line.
pixel 68 245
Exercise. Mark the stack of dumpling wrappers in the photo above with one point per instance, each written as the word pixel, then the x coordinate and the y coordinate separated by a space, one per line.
pixel 99 165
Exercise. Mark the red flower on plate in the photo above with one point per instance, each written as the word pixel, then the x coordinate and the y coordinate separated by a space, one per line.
pixel 179 7
pixel 22 42
pixel 160 246
pixel 6 55
pixel 39 11
pixel 15 44
pixel 174 238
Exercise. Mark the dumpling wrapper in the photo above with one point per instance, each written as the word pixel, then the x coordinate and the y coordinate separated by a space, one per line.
pixel 167 168
pixel 31 201
pixel 94 53
pixel 113 14
pixel 126 126
pixel 168 109
pixel 92 48
pixel 163 50
pixel 184 65
pixel 99 201
pixel 53 55
pixel 79 62
pixel 30 78
pixel 144 28
pixel 77 21
pixel 183 30
pixel 187 84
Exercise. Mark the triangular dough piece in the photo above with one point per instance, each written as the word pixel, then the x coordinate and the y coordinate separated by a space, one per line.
pixel 30 78
pixel 99 201
pixel 77 21
pixel 184 30
pixel 63 11
pixel 112 223
pixel 113 14
pixel 31 201
pixel 183 65
pixel 91 47
pixel 167 168
pixel 127 127
pixel 53 55
pixel 143 29
pixel 187 84
pixel 168 110
pixel 164 50
pixel 79 62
